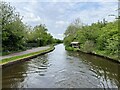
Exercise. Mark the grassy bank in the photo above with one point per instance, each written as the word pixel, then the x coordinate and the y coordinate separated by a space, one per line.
pixel 97 53
pixel 71 48
pixel 25 56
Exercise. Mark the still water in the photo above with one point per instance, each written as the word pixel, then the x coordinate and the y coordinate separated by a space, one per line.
pixel 63 69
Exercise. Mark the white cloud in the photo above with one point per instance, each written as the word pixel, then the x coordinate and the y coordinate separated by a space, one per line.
pixel 57 15
pixel 30 17
pixel 91 15
pixel 59 36
pixel 27 9
pixel 34 1
pixel 61 23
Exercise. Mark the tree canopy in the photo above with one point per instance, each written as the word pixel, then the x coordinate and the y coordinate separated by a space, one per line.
pixel 18 36
pixel 101 37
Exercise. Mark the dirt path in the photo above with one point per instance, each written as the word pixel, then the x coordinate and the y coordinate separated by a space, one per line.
pixel 25 52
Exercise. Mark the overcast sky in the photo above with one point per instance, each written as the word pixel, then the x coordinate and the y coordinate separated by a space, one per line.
pixel 57 15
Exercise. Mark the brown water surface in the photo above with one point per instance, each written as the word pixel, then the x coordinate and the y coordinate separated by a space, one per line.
pixel 63 69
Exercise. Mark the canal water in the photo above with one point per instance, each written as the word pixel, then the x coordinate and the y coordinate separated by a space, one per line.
pixel 63 69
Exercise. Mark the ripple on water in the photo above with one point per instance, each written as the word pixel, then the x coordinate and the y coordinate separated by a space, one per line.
pixel 61 69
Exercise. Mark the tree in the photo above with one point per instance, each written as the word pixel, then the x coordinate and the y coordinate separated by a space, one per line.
pixel 39 36
pixel 71 32
pixel 12 28
pixel 73 27
pixel 18 36
pixel 101 37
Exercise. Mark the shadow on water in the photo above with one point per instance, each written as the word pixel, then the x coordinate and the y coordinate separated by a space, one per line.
pixel 63 69
pixel 17 75
pixel 106 71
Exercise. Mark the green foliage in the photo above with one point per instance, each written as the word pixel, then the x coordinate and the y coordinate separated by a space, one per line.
pixel 12 28
pixel 68 40
pixel 108 38
pixel 69 48
pixel 16 35
pixel 88 46
pixel 101 37
pixel 71 32
pixel 39 36
pixel 73 27
pixel 15 58
pixel 57 41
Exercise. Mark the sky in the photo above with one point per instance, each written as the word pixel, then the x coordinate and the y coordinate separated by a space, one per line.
pixel 57 15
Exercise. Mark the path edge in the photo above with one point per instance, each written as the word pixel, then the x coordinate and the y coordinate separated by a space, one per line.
pixel 42 52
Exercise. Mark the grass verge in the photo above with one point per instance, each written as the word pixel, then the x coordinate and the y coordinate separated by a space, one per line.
pixel 100 54
pixel 16 58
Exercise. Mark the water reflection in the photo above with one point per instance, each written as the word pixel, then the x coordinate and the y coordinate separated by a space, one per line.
pixel 14 75
pixel 106 71
pixel 62 69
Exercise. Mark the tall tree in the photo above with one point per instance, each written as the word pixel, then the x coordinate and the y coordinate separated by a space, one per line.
pixel 12 28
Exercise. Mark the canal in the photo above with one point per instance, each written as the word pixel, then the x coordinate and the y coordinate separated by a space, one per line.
pixel 62 69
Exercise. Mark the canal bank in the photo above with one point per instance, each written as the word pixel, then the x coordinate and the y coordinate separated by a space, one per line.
pixel 106 57
pixel 95 54
pixel 24 57
pixel 63 69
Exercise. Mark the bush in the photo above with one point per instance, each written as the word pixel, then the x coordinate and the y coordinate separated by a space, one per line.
pixel 88 46
pixel 69 48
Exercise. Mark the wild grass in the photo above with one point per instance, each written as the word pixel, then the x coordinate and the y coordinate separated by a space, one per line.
pixel 15 58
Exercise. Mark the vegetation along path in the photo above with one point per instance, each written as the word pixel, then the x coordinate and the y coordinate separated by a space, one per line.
pixel 62 69
pixel 25 55
pixel 25 52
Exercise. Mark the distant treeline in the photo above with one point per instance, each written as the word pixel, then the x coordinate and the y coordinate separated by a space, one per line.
pixel 101 37
pixel 17 36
